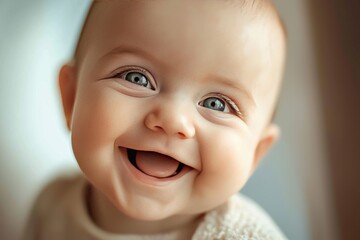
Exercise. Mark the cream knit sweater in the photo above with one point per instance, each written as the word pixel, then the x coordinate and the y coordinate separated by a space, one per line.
pixel 60 213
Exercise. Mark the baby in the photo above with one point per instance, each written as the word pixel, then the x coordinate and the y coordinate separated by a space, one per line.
pixel 169 104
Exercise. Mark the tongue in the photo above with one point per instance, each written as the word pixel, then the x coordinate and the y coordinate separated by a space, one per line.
pixel 155 164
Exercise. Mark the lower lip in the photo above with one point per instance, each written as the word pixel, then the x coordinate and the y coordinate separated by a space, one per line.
pixel 142 177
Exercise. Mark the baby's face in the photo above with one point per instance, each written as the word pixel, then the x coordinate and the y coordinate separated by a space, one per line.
pixel 173 103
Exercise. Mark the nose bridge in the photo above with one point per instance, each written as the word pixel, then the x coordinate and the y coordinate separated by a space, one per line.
pixel 172 115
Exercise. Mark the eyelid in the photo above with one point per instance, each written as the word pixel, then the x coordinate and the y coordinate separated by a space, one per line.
pixel 131 68
pixel 235 109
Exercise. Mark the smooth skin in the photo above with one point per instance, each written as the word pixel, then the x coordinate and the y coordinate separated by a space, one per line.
pixel 209 76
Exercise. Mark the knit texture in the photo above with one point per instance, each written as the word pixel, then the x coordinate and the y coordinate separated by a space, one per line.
pixel 60 213
pixel 240 218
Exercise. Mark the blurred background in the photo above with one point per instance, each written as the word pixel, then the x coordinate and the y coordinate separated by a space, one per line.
pixel 310 181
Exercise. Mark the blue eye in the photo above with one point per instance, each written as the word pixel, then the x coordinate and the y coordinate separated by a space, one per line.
pixel 137 78
pixel 214 103
pixel 135 75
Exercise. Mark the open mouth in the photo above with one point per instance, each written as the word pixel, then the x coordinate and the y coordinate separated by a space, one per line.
pixel 155 164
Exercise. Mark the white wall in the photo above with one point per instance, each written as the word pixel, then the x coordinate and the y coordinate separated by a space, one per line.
pixel 292 184
pixel 37 36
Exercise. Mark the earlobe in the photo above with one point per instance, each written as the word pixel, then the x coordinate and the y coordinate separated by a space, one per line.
pixel 270 136
pixel 67 85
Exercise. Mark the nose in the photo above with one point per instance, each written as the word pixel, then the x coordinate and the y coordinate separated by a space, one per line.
pixel 172 118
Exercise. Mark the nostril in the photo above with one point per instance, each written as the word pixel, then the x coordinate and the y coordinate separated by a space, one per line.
pixel 152 123
pixel 181 135
pixel 177 126
pixel 158 128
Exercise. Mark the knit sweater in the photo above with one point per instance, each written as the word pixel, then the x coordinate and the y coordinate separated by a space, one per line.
pixel 60 213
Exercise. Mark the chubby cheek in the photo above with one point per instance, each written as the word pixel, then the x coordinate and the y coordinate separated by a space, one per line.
pixel 226 162
pixel 98 119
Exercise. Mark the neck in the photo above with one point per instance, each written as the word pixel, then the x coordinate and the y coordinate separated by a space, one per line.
pixel 107 217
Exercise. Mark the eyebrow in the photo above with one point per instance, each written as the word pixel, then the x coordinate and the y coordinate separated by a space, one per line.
pixel 128 49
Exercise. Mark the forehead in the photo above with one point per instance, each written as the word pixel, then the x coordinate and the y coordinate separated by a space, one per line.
pixel 201 31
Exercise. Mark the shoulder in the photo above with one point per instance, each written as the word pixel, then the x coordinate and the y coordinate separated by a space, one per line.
pixel 55 191
pixel 52 209
pixel 239 218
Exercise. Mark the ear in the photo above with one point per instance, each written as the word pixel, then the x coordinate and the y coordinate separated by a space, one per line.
pixel 270 135
pixel 67 84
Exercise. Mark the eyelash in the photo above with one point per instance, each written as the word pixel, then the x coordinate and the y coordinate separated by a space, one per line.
pixel 129 69
pixel 232 105
pixel 124 70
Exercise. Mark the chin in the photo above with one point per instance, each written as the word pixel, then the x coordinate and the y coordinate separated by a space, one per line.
pixel 148 215
pixel 148 210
